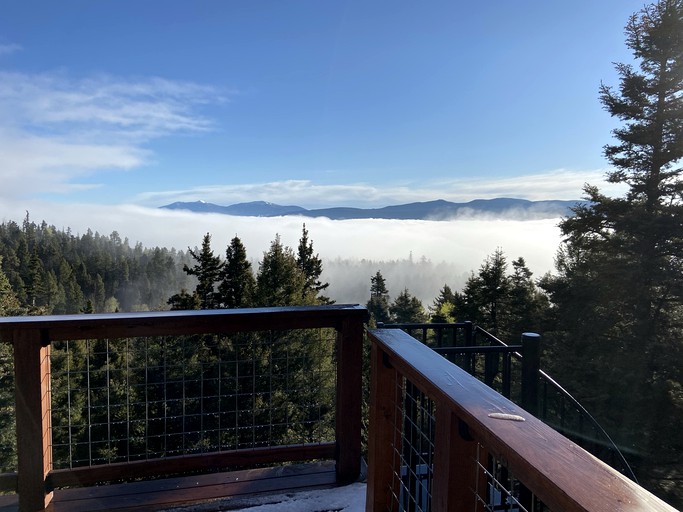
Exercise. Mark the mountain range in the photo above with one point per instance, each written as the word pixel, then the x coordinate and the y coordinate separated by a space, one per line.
pixel 502 207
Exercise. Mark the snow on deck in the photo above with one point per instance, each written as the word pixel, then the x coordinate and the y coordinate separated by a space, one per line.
pixel 350 498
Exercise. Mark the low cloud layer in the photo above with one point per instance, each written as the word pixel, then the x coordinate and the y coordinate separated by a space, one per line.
pixel 419 255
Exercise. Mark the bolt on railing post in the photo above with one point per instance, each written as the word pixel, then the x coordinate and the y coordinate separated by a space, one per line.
pixel 531 365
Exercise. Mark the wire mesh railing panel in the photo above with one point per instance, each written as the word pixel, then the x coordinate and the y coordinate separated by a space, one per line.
pixel 414 450
pixel 481 460
pixel 124 400
pixel 414 424
pixel 497 489
pixel 8 436
pixel 500 366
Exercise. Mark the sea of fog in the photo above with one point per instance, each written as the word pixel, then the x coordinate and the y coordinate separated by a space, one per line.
pixel 415 254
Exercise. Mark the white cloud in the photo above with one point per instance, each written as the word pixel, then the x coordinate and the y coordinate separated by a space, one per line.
pixel 33 164
pixel 559 184
pixel 127 109
pixel 56 128
pixel 555 184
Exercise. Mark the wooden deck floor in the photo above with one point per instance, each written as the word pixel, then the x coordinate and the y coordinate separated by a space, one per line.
pixel 175 492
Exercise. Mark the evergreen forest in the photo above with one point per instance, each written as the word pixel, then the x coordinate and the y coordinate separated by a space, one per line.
pixel 610 315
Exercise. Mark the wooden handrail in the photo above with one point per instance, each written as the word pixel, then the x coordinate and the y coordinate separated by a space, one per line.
pixel 32 338
pixel 469 414
pixel 169 323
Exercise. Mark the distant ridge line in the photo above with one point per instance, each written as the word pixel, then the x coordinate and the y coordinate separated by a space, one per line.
pixel 502 207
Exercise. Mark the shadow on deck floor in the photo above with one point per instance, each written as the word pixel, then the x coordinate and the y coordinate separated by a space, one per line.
pixel 201 493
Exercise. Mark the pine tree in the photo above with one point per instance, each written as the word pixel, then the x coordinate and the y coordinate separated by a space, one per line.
pixel 378 305
pixel 312 267
pixel 504 304
pixel 35 286
pixel 280 281
pixel 99 297
pixel 619 292
pixel 9 304
pixel 527 306
pixel 207 269
pixel 443 309
pixel 486 294
pixel 640 235
pixel 237 284
pixel 407 309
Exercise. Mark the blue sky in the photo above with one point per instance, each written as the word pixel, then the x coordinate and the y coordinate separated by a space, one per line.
pixel 315 103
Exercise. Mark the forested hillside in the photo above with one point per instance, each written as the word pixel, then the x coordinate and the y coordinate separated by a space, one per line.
pixel 53 271
pixel 611 317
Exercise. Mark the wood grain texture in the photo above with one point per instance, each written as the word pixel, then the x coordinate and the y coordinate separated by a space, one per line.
pixel 385 400
pixel 169 323
pixel 32 399
pixel 90 475
pixel 349 398
pixel 172 492
pixel 560 473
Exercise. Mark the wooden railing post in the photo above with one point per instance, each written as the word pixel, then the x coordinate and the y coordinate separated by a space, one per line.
pixel 34 443
pixel 384 432
pixel 454 464
pixel 349 399
pixel 531 364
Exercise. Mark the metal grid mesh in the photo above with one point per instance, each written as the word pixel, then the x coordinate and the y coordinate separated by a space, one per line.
pixel 144 398
pixel 414 422
pixel 414 430
pixel 8 436
pixel 497 489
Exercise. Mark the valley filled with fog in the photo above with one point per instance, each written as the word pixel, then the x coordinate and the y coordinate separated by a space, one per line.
pixel 415 254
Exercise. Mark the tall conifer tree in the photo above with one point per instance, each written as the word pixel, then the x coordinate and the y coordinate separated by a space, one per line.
pixel 237 279
pixel 619 293
pixel 280 281
pixel 378 305
pixel 207 269
pixel 407 309
pixel 312 267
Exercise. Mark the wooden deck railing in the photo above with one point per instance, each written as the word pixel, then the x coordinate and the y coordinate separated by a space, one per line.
pixel 442 440
pixel 514 370
pixel 32 338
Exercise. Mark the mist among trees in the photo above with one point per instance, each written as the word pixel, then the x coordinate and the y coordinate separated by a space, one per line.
pixel 611 315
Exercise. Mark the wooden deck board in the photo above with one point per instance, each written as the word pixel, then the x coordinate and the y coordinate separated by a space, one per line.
pixel 188 490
